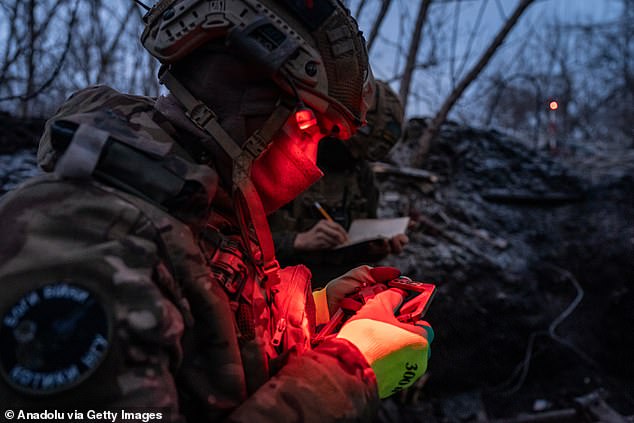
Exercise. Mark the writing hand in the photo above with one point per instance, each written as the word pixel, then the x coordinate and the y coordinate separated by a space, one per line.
pixel 323 236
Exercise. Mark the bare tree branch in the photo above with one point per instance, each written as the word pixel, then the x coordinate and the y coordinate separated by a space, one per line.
pixel 110 49
pixel 11 38
pixel 30 53
pixel 54 74
pixel 360 8
pixel 432 130
pixel 472 35
pixel 454 42
pixel 385 6
pixel 413 51
pixel 401 31
pixel 500 9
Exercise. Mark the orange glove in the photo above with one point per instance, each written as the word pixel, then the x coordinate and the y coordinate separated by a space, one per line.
pixel 328 298
pixel 397 352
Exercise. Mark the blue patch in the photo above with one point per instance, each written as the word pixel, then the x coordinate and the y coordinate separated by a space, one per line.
pixel 53 338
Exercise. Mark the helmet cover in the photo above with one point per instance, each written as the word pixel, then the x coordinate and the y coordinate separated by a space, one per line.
pixel 311 49
pixel 384 128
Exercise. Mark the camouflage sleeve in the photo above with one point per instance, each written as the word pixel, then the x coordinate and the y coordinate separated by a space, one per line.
pixel 332 383
pixel 87 100
pixel 84 324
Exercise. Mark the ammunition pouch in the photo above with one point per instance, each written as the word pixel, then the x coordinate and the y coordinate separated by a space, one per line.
pixel 227 261
pixel 136 165
pixel 292 303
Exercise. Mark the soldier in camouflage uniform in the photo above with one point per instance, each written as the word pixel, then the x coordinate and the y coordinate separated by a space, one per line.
pixel 138 270
pixel 347 191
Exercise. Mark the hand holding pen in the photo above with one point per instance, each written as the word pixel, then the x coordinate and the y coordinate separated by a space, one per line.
pixel 324 235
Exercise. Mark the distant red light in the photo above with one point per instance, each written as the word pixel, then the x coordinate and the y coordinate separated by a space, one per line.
pixel 305 119
pixel 553 105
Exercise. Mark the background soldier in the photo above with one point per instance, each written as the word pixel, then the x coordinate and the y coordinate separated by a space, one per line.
pixel 347 191
pixel 139 270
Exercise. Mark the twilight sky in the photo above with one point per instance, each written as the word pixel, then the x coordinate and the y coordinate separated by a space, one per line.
pixel 387 62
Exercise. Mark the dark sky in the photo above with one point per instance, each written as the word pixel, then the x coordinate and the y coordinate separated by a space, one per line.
pixel 387 63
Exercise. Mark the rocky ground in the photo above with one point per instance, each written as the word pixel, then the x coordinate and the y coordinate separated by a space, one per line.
pixel 18 141
pixel 533 254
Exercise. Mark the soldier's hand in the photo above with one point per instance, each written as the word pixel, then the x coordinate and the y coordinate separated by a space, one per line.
pixel 397 243
pixel 396 351
pixel 327 300
pixel 380 248
pixel 377 249
pixel 323 236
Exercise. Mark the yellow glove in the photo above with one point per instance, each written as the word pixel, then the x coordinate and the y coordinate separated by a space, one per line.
pixel 327 299
pixel 397 352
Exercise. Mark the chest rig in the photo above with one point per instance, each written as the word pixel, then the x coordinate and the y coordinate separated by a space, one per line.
pixel 289 302
pixel 282 287
pixel 227 261
pixel 232 269
pixel 102 147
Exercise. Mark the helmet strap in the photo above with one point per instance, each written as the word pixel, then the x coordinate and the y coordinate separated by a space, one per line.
pixel 201 115
pixel 254 226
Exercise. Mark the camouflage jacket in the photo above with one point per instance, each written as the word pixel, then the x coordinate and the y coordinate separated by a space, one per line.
pixel 124 284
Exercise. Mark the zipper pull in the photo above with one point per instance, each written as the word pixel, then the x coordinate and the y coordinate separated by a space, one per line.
pixel 279 332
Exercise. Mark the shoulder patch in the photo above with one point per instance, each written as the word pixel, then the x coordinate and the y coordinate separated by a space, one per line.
pixel 53 338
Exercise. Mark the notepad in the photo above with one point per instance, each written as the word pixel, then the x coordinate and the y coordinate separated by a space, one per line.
pixel 363 230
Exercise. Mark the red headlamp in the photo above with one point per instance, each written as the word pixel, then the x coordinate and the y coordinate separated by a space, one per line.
pixel 305 118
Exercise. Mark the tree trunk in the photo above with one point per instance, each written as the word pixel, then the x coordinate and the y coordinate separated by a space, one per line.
pixel 30 56
pixel 432 130
pixel 108 51
pixel 410 65
pixel 385 6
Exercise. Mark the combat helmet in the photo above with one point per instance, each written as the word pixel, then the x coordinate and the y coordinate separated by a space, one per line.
pixel 384 127
pixel 312 49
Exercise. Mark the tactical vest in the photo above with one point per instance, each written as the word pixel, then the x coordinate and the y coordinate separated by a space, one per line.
pixel 340 193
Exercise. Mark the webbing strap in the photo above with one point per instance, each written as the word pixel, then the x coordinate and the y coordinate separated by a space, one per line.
pixel 247 198
pixel 200 114
pixel 157 10
pixel 250 210
pixel 259 140
pixel 82 155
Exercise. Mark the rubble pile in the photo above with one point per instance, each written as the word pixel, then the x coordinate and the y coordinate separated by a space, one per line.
pixel 534 260
pixel 19 133
pixel 18 143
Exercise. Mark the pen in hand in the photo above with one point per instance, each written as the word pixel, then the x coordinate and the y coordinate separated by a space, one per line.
pixel 329 229
pixel 323 212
